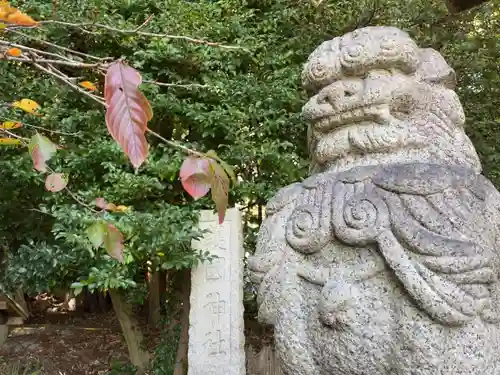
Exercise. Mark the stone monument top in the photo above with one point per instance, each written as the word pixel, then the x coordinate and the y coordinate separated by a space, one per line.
pixel 384 261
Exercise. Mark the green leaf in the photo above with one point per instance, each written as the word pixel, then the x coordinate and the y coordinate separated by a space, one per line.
pixel 96 233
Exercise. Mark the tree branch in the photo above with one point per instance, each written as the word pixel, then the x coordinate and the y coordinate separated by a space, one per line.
pixel 102 102
pixel 141 26
pixel 368 20
pixel 38 62
pixel 364 19
pixel 175 144
pixel 14 135
pixel 25 48
pixel 84 25
pixel 47 61
pixel 178 85
pixel 72 51
pixel 41 128
pixel 64 79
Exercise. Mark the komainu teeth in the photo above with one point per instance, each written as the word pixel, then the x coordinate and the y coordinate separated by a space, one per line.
pixel 356 114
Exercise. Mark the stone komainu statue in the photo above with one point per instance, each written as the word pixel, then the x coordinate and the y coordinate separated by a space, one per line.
pixel 384 261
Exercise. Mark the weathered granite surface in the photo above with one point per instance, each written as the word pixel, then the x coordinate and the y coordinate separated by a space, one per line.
pixel 384 261
pixel 216 326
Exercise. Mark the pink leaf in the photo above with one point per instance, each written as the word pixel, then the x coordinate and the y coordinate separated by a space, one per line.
pixel 56 182
pixel 196 176
pixel 101 203
pixel 104 205
pixel 128 111
pixel 38 159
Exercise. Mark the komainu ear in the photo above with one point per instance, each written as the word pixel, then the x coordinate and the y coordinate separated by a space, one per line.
pixel 434 69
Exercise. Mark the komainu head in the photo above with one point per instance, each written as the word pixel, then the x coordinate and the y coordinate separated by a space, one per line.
pixel 376 98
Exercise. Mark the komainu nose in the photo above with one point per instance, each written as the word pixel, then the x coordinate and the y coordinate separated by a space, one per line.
pixel 340 93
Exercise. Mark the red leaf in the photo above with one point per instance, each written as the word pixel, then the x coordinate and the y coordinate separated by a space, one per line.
pixel 128 111
pixel 113 242
pixel 56 182
pixel 199 175
pixel 197 185
pixel 38 159
pixel 196 176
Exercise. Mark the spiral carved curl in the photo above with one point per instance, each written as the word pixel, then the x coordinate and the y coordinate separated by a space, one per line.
pixel 308 230
pixel 358 219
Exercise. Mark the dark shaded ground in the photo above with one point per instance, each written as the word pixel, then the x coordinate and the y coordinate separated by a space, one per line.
pixel 57 342
pixel 65 344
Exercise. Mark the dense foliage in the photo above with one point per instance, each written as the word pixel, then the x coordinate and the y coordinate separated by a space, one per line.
pixel 242 102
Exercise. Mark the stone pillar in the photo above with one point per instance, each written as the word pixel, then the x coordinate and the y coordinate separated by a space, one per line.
pixel 216 335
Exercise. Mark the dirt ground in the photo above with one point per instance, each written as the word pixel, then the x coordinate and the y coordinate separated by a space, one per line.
pixel 77 343
pixel 65 344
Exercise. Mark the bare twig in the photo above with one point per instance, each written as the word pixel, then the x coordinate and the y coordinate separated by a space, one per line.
pixel 72 51
pixel 82 27
pixel 25 48
pixel 68 78
pixel 178 85
pixel 77 200
pixel 40 127
pixel 13 135
pixel 366 22
pixel 47 61
pixel 175 144
pixel 102 102
pixel 148 20
pixel 101 67
pixel 73 195
pixel 365 18
pixel 42 212
pixel 58 72
pixel 64 79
